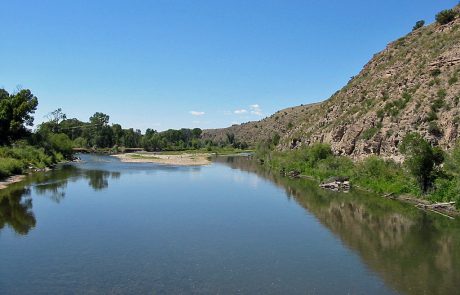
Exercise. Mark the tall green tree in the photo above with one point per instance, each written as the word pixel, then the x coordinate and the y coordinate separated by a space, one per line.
pixel 420 159
pixel 101 133
pixel 16 112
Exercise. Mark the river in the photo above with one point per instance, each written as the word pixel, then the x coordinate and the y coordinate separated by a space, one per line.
pixel 106 227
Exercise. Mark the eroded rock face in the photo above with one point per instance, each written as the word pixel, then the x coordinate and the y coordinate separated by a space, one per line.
pixel 413 85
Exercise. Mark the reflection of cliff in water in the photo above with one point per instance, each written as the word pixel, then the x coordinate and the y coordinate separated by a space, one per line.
pixel 414 252
pixel 16 203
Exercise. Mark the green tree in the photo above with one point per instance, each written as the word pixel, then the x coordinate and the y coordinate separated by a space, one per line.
pixel 196 132
pixel 230 138
pixel 419 24
pixel 16 114
pixel 446 16
pixel 420 159
pixel 276 139
pixel 61 143
pixel 55 118
pixel 117 131
pixel 101 134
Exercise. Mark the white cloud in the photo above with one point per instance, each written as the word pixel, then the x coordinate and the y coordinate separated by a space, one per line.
pixel 255 109
pixel 196 113
pixel 239 112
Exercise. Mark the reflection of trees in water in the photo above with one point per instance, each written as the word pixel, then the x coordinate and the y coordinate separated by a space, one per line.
pixel 16 210
pixel 16 203
pixel 413 252
pixel 98 179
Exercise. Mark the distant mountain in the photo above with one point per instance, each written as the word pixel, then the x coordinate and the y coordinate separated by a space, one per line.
pixel 412 85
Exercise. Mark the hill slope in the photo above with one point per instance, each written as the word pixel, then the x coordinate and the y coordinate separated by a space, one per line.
pixel 412 85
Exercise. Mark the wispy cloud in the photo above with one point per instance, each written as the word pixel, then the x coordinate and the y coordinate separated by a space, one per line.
pixel 196 113
pixel 242 111
pixel 255 109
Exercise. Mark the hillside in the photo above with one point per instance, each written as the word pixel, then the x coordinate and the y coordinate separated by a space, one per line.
pixel 412 85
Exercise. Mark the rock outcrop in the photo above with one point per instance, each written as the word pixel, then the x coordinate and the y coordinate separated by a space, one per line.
pixel 413 85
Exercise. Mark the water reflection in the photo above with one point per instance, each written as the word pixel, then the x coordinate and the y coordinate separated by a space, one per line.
pixel 16 210
pixel 414 252
pixel 16 204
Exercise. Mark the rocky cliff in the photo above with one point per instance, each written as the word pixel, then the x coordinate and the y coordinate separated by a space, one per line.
pixel 412 85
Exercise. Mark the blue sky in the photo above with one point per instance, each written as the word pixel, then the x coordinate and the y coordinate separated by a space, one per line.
pixel 207 64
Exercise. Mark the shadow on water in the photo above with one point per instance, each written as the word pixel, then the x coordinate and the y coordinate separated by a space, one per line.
pixel 414 252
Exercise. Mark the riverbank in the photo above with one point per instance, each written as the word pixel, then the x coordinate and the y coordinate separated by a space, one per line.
pixel 19 160
pixel 382 177
pixel 10 180
pixel 183 159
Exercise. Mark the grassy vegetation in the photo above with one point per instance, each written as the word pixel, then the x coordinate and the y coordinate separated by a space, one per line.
pixel 418 176
pixel 317 161
pixel 19 158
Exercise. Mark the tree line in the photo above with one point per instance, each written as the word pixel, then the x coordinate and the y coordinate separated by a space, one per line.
pixel 61 133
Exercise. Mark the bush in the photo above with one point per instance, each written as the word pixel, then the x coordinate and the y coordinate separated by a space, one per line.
pixel 10 166
pixel 369 133
pixel 317 152
pixel 80 142
pixel 336 166
pixel 442 93
pixel 420 159
pixel 453 80
pixel 445 16
pixel 418 25
pixel 437 104
pixel 383 176
pixel 28 155
pixel 446 190
pixel 434 129
pixel 435 73
pixel 61 143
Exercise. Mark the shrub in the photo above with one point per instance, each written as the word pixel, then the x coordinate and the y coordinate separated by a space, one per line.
pixel 80 142
pixel 419 24
pixel 432 116
pixel 28 155
pixel 341 167
pixel 10 166
pixel 420 159
pixel 276 139
pixel 369 133
pixel 446 190
pixel 317 152
pixel 434 129
pixel 437 104
pixel 442 93
pixel 383 176
pixel 435 73
pixel 61 143
pixel 453 80
pixel 445 16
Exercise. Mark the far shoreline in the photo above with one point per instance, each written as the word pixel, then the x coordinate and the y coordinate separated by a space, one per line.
pixel 184 159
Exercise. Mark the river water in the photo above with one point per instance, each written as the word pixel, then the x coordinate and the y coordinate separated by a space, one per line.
pixel 106 227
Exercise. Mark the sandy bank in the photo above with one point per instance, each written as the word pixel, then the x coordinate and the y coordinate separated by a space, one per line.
pixel 180 159
pixel 12 179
